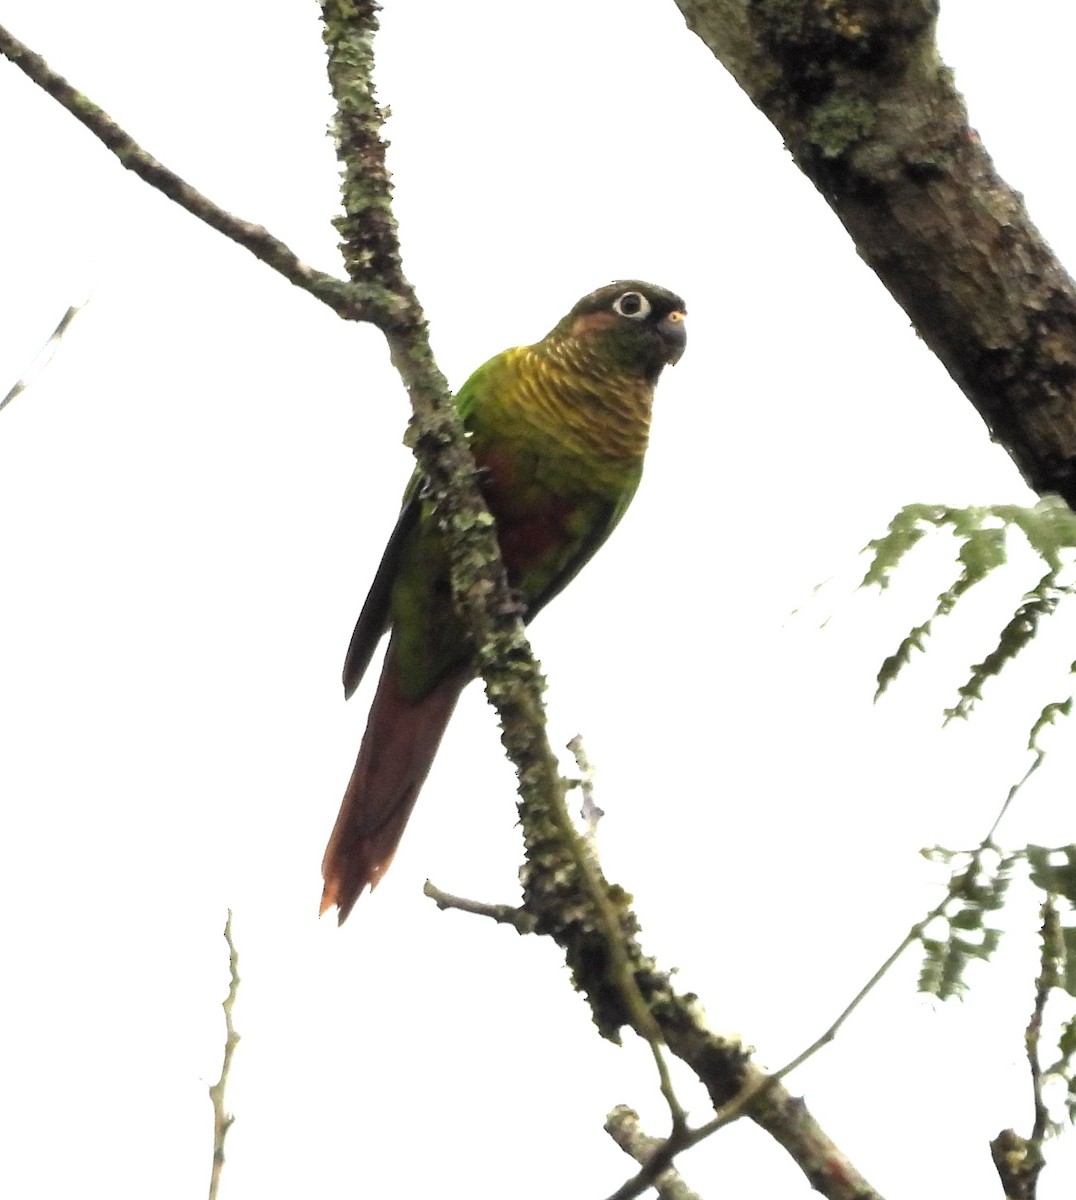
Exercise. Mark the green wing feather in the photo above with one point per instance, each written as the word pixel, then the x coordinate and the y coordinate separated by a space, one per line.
pixel 604 522
pixel 374 620
pixel 376 616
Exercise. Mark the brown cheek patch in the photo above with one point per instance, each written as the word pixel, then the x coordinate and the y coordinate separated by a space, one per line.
pixel 590 323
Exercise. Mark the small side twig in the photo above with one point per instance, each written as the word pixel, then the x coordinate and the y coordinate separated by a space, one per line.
pixel 662 1152
pixel 623 1126
pixel 504 914
pixel 44 356
pixel 1053 951
pixel 222 1120
pixel 1019 1160
pixel 910 938
pixel 956 888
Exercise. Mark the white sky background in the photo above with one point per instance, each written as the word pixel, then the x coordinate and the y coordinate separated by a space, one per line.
pixel 195 496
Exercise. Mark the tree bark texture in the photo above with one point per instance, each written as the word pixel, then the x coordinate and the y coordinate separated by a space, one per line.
pixel 872 117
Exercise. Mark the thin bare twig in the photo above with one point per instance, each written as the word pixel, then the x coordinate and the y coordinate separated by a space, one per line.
pixel 910 938
pixel 222 1120
pixel 1053 952
pixel 1040 755
pixel 504 914
pixel 757 1083
pixel 44 356
pixel 956 888
pixel 623 1126
pixel 663 1154
pixel 760 1096
pixel 1019 1160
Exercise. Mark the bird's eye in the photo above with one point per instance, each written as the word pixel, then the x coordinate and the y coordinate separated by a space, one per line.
pixel 632 304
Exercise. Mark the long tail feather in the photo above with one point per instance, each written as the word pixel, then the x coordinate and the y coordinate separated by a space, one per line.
pixel 397 750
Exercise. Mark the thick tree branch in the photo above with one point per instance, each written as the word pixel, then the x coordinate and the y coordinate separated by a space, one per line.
pixel 737 1087
pixel 872 117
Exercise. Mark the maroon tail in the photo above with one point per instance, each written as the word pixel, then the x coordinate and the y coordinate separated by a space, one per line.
pixel 397 750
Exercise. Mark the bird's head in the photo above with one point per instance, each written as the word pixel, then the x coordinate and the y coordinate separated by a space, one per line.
pixel 638 325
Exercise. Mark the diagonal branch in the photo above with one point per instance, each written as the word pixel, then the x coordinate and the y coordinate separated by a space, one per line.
pixel 336 293
pixel 736 1085
pixel 872 117
pixel 558 858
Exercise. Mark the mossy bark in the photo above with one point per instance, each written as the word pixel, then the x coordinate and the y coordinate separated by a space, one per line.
pixel 872 117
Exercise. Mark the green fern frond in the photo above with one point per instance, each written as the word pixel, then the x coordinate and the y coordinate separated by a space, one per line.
pixel 979 890
pixel 901 657
pixel 1039 603
pixel 982 550
pixel 1049 528
pixel 944 965
pixel 1053 877
pixel 906 529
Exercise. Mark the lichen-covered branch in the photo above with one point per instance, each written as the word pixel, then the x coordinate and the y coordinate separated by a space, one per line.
pixel 564 890
pixel 379 293
pixel 736 1086
pixel 371 251
pixel 561 874
pixel 872 117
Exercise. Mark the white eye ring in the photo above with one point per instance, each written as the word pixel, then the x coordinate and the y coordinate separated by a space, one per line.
pixel 633 305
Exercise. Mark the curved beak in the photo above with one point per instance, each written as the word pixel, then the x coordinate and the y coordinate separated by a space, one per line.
pixel 673 332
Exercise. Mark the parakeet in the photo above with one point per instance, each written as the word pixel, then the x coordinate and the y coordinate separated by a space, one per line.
pixel 558 431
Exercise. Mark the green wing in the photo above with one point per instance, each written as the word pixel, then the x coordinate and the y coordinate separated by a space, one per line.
pixel 376 617
pixel 373 622
pixel 602 521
